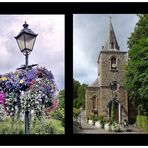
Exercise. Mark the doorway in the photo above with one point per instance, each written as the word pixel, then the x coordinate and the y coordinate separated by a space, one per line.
pixel 116 104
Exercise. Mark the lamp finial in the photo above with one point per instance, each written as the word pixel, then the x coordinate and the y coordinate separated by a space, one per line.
pixel 25 25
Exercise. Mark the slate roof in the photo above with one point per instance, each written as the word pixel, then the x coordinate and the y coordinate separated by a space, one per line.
pixel 95 83
pixel 111 41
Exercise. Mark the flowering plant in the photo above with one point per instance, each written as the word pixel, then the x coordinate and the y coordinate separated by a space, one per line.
pixel 2 97
pixel 32 89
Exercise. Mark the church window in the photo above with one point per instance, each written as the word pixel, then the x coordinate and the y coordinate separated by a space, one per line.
pixel 93 102
pixel 113 63
pixel 113 85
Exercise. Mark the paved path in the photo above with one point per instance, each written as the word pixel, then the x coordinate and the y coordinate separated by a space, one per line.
pixel 85 128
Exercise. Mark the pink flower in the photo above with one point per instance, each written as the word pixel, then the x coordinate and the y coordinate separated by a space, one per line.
pixel 2 98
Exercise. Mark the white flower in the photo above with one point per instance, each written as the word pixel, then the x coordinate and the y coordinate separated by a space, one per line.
pixel 115 127
pixel 90 122
pixel 107 127
pixel 98 124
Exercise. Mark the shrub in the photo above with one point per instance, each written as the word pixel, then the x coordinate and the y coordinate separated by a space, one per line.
pixel 142 122
pixel 59 115
pixel 91 116
pixel 112 126
pixel 95 118
pixel 50 126
pixel 10 126
pixel 76 112
pixel 101 119
pixel 53 126
pixel 115 127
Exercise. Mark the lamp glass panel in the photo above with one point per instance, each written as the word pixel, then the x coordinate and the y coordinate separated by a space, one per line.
pixel 29 40
pixel 20 41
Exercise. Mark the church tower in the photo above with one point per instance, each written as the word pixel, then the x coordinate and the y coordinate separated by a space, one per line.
pixel 111 73
pixel 107 91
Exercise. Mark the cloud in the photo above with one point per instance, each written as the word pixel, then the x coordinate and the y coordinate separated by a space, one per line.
pixel 49 46
pixel 89 34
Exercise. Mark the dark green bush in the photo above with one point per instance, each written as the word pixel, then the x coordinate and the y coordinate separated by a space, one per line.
pixel 142 122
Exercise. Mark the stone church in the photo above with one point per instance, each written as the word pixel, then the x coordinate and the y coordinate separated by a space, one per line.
pixel 108 88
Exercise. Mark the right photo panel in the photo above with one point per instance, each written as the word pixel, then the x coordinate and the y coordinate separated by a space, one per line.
pixel 110 73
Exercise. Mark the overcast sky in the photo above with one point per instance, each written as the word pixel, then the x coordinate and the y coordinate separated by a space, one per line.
pixel 89 33
pixel 49 47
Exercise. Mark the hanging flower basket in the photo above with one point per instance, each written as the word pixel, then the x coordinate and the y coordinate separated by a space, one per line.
pixel 33 89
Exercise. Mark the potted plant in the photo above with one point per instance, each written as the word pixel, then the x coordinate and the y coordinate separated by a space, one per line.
pixel 95 119
pixel 90 118
pixel 107 125
pixel 115 127
pixel 100 122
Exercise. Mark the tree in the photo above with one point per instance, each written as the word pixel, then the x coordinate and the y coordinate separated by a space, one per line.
pixel 61 97
pixel 137 69
pixel 78 94
pixel 140 31
pixel 76 85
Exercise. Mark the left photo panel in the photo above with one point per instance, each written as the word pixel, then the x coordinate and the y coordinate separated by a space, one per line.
pixel 32 78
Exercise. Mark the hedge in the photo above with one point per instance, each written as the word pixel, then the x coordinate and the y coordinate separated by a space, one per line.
pixel 51 126
pixel 142 122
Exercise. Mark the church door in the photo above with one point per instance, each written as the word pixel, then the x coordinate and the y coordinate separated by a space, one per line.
pixel 116 109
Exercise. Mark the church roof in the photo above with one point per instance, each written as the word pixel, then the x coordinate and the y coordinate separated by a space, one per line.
pixel 95 83
pixel 111 41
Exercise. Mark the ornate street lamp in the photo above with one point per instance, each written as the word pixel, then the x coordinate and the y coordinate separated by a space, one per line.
pixel 25 40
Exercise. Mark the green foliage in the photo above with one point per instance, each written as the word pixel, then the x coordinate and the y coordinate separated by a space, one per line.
pixel 142 122
pixel 61 97
pixel 52 126
pixel 95 118
pixel 78 94
pixel 140 31
pixel 9 126
pixel 136 82
pixel 91 116
pixel 76 85
pixel 101 118
pixel 59 115
pixel 113 111
pixel 76 112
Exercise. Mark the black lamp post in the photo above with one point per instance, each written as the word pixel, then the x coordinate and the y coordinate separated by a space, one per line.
pixel 25 40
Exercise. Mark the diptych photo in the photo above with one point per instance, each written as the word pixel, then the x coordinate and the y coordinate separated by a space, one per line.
pixel 110 74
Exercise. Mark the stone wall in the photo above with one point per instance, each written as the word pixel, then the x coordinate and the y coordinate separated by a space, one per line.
pixel 106 74
pixel 106 95
pixel 90 92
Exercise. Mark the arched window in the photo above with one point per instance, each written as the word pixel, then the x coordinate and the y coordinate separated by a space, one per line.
pixel 113 63
pixel 93 102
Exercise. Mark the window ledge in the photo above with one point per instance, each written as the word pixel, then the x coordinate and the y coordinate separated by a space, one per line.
pixel 114 70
